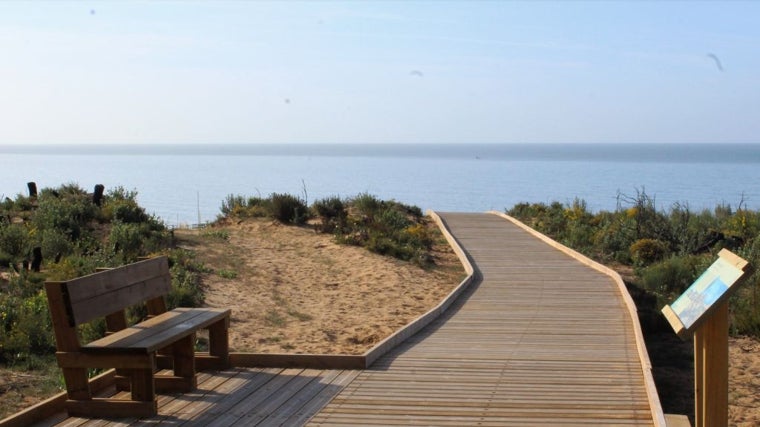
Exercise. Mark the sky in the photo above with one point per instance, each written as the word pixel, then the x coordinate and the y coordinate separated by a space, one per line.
pixel 111 72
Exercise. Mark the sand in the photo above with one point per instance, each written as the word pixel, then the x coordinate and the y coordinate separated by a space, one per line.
pixel 292 290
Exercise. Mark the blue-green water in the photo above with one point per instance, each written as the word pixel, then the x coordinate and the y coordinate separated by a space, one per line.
pixel 176 182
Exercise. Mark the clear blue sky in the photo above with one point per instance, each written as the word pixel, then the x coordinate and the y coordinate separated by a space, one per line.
pixel 379 71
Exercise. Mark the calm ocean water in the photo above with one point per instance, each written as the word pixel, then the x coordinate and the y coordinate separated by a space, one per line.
pixel 179 182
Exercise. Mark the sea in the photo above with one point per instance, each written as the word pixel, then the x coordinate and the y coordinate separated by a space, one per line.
pixel 185 185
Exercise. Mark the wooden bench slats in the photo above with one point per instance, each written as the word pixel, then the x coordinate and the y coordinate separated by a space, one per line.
pixel 157 332
pixel 118 361
pixel 98 295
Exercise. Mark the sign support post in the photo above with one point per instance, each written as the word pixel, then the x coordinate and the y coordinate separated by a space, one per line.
pixel 711 370
pixel 702 311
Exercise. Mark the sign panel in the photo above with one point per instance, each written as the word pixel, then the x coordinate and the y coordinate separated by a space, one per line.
pixel 712 287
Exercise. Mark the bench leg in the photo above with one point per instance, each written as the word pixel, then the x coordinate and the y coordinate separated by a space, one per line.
pixel 143 386
pixel 184 360
pixel 183 363
pixel 122 379
pixel 77 385
pixel 218 342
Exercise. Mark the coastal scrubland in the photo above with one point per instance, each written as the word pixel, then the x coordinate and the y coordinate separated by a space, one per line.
pixel 372 264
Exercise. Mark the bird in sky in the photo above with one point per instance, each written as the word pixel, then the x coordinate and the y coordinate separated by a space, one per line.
pixel 717 60
pixel 417 73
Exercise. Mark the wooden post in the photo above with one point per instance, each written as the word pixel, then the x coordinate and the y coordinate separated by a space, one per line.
pixel 97 195
pixel 699 373
pixel 36 259
pixel 711 370
pixel 32 186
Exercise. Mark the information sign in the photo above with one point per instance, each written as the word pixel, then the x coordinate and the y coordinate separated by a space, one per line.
pixel 713 286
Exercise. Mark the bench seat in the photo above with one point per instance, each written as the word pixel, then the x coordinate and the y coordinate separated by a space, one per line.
pixel 157 332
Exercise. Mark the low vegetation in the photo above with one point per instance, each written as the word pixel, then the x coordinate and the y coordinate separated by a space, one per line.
pixel 667 250
pixel 58 234
pixel 384 227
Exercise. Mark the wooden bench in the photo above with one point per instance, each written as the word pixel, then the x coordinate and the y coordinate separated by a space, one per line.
pixel 164 339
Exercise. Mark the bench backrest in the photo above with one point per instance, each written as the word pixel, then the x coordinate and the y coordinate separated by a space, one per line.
pixel 107 293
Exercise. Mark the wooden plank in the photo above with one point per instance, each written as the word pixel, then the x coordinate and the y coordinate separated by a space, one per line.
pixel 254 389
pixel 106 292
pixel 313 361
pixel 252 411
pixel 158 332
pixel 118 361
pixel 308 410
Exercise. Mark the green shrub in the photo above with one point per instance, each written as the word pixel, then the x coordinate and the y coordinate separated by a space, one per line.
pixel 287 208
pixel 232 204
pixel 186 279
pixel 670 277
pixel 366 205
pixel 648 251
pixel 186 288
pixel 242 207
pixel 227 274
pixel 216 234
pixel 14 240
pixel 68 210
pixel 392 220
pixel 55 244
pixel 25 327
pixel 332 213
pixel 128 212
pixel 75 266
pixel 127 239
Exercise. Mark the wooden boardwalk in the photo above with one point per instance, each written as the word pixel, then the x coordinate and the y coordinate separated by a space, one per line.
pixel 542 340
pixel 237 396
pixel 539 339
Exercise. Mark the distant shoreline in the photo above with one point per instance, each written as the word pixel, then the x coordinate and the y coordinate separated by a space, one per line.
pixel 627 152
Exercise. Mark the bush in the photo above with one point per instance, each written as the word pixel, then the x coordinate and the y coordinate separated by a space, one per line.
pixel 287 208
pixel 14 240
pixel 333 214
pixel 68 210
pixel 384 227
pixel 55 244
pixel 669 278
pixel 366 205
pixel 647 251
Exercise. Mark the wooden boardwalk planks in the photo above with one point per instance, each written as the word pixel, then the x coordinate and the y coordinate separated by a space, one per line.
pixel 542 339
pixel 237 396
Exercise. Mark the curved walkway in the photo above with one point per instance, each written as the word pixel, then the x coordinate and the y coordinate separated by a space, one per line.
pixel 541 339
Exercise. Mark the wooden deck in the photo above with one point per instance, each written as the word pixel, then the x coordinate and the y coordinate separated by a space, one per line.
pixel 539 338
pixel 542 340
pixel 238 396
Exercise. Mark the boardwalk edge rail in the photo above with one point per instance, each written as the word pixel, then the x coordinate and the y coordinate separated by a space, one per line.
pixel 646 365
pixel 416 325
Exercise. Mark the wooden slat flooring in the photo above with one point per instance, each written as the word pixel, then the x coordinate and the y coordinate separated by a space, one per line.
pixel 541 340
pixel 237 396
